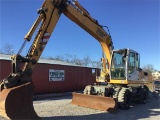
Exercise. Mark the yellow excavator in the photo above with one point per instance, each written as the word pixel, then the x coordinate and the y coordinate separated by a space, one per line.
pixel 120 83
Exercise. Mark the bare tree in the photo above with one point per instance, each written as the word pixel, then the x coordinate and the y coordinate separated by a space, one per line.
pixel 149 68
pixel 58 57
pixel 73 59
pixel 8 49
pixel 68 58
pixel 77 61
pixel 96 64
pixel 86 61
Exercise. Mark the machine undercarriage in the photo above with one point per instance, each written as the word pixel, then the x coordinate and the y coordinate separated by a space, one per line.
pixel 123 95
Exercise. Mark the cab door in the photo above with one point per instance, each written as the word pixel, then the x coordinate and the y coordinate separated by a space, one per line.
pixel 133 66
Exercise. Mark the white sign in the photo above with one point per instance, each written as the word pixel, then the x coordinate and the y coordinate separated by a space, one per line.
pixel 56 75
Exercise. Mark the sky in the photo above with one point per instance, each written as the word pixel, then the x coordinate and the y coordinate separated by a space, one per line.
pixel 133 24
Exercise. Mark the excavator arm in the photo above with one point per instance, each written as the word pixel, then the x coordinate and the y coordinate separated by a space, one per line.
pixel 20 80
pixel 49 15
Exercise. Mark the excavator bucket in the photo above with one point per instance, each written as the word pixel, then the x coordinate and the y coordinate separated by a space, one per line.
pixel 95 102
pixel 16 103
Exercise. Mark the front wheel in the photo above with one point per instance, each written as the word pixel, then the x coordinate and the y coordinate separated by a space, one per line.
pixel 124 99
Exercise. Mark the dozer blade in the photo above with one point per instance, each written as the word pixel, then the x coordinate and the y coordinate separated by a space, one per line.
pixel 16 103
pixel 95 102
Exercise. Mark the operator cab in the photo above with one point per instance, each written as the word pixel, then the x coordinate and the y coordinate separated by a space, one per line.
pixel 125 65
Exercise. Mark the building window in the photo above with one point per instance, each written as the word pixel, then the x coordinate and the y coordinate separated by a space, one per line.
pixel 93 71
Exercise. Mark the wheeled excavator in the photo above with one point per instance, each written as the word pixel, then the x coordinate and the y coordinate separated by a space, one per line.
pixel 121 73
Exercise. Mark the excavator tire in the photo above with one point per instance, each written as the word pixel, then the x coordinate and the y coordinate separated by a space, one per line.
pixel 16 103
pixel 124 99
pixel 96 102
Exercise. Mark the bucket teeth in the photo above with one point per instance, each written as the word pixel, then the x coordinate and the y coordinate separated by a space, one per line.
pixel 95 102
pixel 17 103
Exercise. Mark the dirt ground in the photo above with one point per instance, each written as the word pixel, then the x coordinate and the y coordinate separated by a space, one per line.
pixel 60 108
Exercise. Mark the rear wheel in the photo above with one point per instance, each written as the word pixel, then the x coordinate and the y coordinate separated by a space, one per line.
pixel 124 98
pixel 146 92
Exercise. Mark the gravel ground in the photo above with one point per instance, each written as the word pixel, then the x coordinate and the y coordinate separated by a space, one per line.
pixel 59 108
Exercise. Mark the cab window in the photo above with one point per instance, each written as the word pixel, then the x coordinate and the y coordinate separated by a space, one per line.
pixel 131 64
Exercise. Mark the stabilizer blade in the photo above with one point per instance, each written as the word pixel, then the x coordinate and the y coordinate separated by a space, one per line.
pixel 95 102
